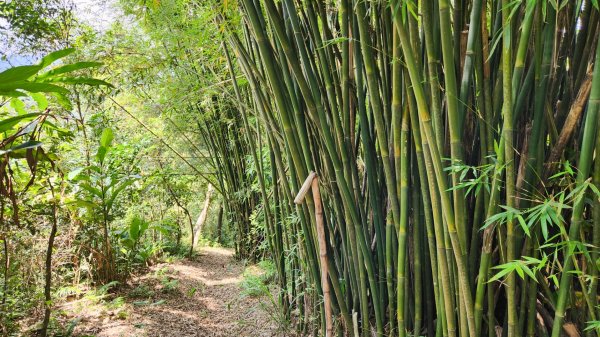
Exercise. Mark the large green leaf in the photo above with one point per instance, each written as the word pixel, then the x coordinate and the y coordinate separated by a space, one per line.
pixel 61 132
pixel 84 204
pixel 101 153
pixel 40 99
pixel 12 93
pixel 32 144
pixel 107 137
pixel 144 226
pixel 116 191
pixel 128 242
pixel 75 173
pixel 18 105
pixel 63 100
pixel 91 189
pixel 50 58
pixel 31 87
pixel 19 73
pixel 166 230
pixel 69 68
pixel 9 123
pixel 134 228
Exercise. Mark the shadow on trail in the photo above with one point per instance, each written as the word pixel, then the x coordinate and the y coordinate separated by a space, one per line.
pixel 199 297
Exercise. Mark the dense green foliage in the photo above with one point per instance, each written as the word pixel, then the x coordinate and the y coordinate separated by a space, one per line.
pixel 35 26
pixel 456 145
pixel 89 193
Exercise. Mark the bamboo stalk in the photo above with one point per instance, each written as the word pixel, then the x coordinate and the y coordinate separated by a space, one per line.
pixel 351 88
pixel 585 162
pixel 507 131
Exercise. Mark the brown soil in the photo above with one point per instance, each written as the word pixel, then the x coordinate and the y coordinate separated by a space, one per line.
pixel 199 297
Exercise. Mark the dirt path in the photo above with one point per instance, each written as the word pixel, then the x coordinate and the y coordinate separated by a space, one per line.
pixel 185 298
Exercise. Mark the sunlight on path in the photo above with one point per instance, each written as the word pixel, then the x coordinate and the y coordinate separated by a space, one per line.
pixel 208 277
pixel 200 297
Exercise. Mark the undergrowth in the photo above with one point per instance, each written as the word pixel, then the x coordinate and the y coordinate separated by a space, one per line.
pixel 259 282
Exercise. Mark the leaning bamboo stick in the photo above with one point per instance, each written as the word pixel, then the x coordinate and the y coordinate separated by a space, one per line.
pixel 312 182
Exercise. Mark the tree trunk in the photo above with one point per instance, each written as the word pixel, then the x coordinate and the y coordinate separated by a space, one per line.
pixel 6 266
pixel 192 233
pixel 48 283
pixel 202 217
pixel 220 226
pixel 6 257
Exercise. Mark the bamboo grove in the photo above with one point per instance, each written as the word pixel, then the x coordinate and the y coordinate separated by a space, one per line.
pixel 456 146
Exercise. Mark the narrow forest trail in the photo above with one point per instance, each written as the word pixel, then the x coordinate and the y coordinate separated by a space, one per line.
pixel 199 297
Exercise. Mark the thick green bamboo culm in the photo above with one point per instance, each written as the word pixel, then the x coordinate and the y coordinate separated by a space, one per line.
pixel 431 125
pixel 507 131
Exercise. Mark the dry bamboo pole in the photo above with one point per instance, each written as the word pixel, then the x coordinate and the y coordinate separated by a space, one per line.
pixel 312 182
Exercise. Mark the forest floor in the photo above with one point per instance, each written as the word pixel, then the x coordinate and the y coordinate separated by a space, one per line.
pixel 199 297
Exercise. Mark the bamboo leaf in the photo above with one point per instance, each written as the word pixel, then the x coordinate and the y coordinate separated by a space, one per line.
pixel 32 87
pixel 17 74
pixel 52 57
pixel 504 270
pixel 63 100
pixel 18 105
pixel 69 68
pixel 9 123
pixel 528 272
pixel 40 99
pixel 31 144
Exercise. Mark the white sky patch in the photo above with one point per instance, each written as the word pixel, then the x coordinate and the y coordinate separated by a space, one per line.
pixel 99 14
